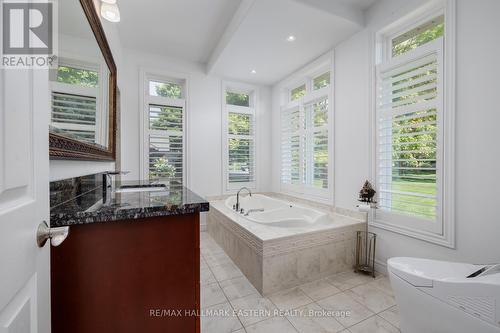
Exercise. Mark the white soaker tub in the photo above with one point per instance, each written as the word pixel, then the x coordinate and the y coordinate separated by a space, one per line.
pixel 278 213
pixel 287 244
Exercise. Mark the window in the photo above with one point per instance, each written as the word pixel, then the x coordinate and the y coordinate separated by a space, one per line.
pixel 237 99
pixel 239 138
pixel 75 98
pixel 418 36
pixel 408 111
pixel 78 76
pixel 298 92
pixel 164 123
pixel 305 139
pixel 321 81
pixel 412 121
pixel 165 89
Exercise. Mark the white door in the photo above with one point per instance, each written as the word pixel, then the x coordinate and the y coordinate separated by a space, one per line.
pixel 24 201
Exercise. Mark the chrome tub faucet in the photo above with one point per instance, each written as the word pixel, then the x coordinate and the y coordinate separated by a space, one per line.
pixel 237 206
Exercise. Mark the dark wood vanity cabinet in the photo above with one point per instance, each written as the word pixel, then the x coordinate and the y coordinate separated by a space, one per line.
pixel 128 276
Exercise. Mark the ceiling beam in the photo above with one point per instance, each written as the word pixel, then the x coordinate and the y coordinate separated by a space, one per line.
pixel 229 32
pixel 338 8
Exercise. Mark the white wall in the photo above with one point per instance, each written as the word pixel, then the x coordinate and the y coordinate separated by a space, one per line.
pixel 204 109
pixel 477 118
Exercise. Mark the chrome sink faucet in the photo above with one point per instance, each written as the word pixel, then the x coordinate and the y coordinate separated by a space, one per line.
pixel 237 206
pixel 107 180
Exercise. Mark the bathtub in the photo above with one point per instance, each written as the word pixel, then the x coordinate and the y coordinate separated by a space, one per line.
pixel 288 244
pixel 278 213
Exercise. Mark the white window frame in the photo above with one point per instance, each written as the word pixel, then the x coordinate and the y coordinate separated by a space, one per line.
pixel 307 75
pixel 101 127
pixel 442 231
pixel 253 92
pixel 145 76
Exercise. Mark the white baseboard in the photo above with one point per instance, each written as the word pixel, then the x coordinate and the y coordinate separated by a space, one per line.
pixel 381 267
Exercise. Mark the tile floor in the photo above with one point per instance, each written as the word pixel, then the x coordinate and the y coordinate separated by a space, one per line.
pixel 350 302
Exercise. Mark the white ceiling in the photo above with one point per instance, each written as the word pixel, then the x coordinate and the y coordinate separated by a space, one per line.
pixel 72 21
pixel 358 4
pixel 235 36
pixel 187 29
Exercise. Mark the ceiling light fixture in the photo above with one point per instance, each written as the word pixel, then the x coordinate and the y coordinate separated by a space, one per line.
pixel 291 38
pixel 110 11
pixel 253 71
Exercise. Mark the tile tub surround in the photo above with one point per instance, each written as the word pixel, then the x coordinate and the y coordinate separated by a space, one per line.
pixel 92 207
pixel 369 301
pixel 276 258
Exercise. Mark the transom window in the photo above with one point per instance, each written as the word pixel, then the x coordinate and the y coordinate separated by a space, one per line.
pixel 305 139
pixel 164 115
pixel 239 139
pixel 165 89
pixel 418 36
pixel 297 92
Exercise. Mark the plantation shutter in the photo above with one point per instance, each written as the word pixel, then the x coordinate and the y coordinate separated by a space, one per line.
pixel 166 140
pixel 316 148
pixel 304 145
pixel 409 131
pixel 241 145
pixel 292 147
pixel 74 111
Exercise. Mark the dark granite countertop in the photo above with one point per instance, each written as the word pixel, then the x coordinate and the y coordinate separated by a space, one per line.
pixel 92 207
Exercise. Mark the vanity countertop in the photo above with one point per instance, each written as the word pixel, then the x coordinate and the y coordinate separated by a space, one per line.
pixel 92 207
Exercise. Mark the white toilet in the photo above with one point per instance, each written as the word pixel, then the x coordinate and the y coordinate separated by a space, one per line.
pixel 445 297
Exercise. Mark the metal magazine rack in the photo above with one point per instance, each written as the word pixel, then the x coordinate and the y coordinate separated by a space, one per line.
pixel 366 241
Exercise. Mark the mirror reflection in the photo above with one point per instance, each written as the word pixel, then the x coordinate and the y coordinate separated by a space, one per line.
pixel 80 84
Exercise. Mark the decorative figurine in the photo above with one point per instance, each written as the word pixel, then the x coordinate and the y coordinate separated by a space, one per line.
pixel 367 193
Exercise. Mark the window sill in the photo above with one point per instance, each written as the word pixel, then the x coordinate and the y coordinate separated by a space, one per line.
pixel 447 239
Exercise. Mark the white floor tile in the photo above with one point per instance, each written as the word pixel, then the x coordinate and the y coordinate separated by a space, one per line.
pixel 391 315
pixel 383 284
pixel 206 276
pixel 309 320
pixel 290 299
pixel 319 289
pixel 372 297
pixel 273 325
pixel 237 288
pixel 374 324
pixel 220 324
pixel 349 311
pixel 253 308
pixel 348 280
pixel 211 294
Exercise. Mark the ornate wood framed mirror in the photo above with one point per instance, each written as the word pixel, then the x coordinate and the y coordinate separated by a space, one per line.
pixel 83 87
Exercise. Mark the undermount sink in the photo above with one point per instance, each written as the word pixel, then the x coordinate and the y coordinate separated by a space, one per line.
pixel 141 188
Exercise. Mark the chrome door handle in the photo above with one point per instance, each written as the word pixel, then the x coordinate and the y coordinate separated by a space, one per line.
pixel 56 235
